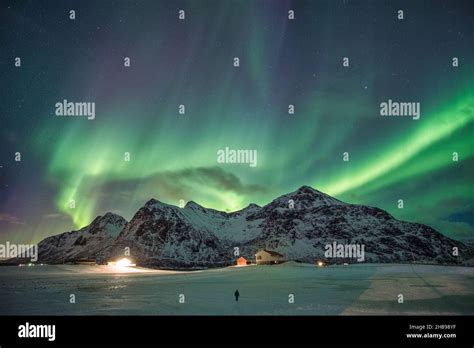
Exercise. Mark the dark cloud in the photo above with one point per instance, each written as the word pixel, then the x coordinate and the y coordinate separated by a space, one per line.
pixel 177 183
pixel 213 176
pixel 169 186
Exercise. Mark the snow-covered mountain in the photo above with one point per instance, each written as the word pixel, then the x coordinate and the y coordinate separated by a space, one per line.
pixel 303 232
pixel 298 225
pixel 169 236
pixel 88 242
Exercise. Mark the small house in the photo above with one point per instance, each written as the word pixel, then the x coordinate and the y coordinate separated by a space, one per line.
pixel 268 257
pixel 241 261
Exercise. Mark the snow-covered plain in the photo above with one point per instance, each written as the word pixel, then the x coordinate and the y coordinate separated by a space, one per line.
pixel 337 290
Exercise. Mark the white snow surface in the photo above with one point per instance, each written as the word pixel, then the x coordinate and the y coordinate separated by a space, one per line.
pixel 365 289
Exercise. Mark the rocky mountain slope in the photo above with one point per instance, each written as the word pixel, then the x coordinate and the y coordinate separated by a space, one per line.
pixel 298 225
pixel 88 242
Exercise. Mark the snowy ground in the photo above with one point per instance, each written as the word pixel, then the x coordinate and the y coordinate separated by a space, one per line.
pixel 346 290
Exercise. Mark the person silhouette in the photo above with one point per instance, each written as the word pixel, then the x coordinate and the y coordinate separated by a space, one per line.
pixel 236 294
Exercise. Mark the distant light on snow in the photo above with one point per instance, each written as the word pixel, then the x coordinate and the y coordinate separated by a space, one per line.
pixel 121 263
pixel 124 262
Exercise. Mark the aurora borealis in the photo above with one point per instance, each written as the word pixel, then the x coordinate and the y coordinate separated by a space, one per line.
pixel 190 62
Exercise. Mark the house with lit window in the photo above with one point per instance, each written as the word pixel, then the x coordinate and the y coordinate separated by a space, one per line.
pixel 268 257
pixel 241 261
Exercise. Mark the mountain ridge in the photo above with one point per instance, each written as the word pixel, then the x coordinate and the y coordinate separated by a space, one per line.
pixel 298 224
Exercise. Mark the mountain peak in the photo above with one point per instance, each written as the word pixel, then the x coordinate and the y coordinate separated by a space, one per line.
pixel 192 204
pixel 304 197
pixel 152 202
pixel 249 209
pixel 109 218
pixel 306 189
pixel 156 204
pixel 310 192
pixel 109 215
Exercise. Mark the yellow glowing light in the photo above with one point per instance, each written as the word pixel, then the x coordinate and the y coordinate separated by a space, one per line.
pixel 122 263
pixel 320 263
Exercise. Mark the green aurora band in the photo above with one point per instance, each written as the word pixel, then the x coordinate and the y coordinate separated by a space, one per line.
pixel 82 168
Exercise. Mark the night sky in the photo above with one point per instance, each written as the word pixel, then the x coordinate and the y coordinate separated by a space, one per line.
pixel 190 62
